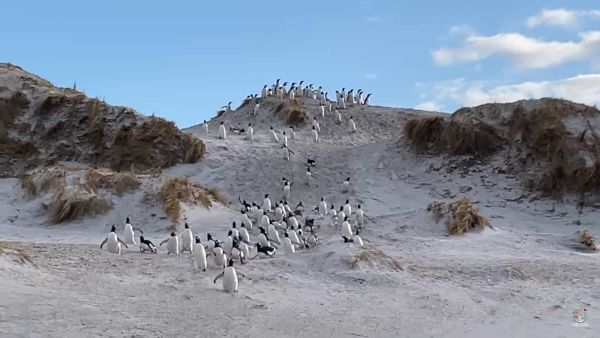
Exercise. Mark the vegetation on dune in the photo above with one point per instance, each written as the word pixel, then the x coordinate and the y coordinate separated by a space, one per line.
pixel 177 190
pixel 461 216
pixel 121 183
pixel 18 254
pixel 587 240
pixel 76 201
pixel 292 112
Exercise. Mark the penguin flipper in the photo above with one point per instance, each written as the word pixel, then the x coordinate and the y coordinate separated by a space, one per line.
pixel 163 242
pixel 103 242
pixel 219 276
pixel 138 229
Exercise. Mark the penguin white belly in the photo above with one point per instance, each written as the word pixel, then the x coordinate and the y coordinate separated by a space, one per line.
pixel 173 245
pixel 360 216
pixel 220 257
pixel 206 128
pixel 222 132
pixel 235 233
pixel 340 217
pixel 265 221
pixel 187 241
pixel 286 192
pixel 288 246
pixel 266 204
pixel 245 249
pixel 347 210
pixel 273 234
pixel 323 208
pixel 293 222
pixel 230 280
pixel 278 214
pixel 352 126
pixel 274 137
pixel 284 141
pixel 357 240
pixel 113 244
pixel 294 237
pixel 315 136
pixel 200 256
pixel 228 245
pixel 210 246
pixel 128 235
pixel 346 230
pixel 345 186
pixel 246 220
pixel 312 240
pixel 262 239
pixel 235 253
pixel 244 235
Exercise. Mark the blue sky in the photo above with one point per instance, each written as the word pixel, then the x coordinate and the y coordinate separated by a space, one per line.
pixel 184 59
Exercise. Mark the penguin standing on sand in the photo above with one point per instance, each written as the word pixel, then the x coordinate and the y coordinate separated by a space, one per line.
pixel 220 257
pixel 222 131
pixel 234 231
pixel 205 127
pixel 250 133
pixel 315 135
pixel 308 176
pixel 266 205
pixel 346 185
pixel 286 190
pixel 322 108
pixel 366 101
pixel 187 239
pixel 230 278
pixel 210 243
pixel 128 232
pixel 339 116
pixel 114 242
pixel 294 237
pixel 352 125
pixel 347 209
pixel 263 92
pixel 360 216
pixel 288 246
pixel 262 237
pixel 346 228
pixel 284 139
pixel 246 220
pixel 255 109
pixel 172 245
pixel 292 133
pixel 147 245
pixel 264 221
pixel 323 207
pixel 357 238
pixel 200 255
pixel 292 221
pixel 332 215
pixel 244 236
pixel 228 244
pixel 341 216
pixel 273 235
pixel 274 136
pixel 315 124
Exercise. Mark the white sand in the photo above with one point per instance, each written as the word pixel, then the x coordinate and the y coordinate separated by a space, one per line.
pixel 523 280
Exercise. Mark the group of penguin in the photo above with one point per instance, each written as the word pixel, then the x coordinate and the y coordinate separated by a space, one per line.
pixel 281 91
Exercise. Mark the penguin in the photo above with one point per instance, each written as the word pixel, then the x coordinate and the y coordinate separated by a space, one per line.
pixel 236 252
pixel 250 133
pixel 274 136
pixel 114 242
pixel 332 214
pixel 308 176
pixel 273 235
pixel 315 135
pixel 230 278
pixel 339 116
pixel 352 125
pixel 286 208
pixel 356 238
pixel 341 216
pixel 346 228
pixel 266 205
pixel 360 216
pixel 210 243
pixel 173 245
pixel 222 131
pixel 228 244
pixel 286 190
pixel 350 96
pixel 313 239
pixel 284 139
pixel 322 207
pixel 254 211
pixel 265 221
pixel 278 214
pixel 263 92
pixel 205 127
pixel 147 245
pixel 366 101
pixel 293 222
pixel 347 209
pixel 262 237
pixel 310 162
pixel 244 249
pixel 288 246
pixel 294 237
pixel 286 152
pixel 200 255
pixel 266 250
pixel 234 230
pixel 220 256
pixel 246 220
pixel 346 185
pixel 329 105
pixel 315 124
pixel 292 133
pixel 244 236
pixel 187 239
pixel 322 108
pixel 128 232
pixel 299 209
pixel 256 107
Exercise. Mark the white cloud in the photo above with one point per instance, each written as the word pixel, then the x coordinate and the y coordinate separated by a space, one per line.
pixel 462 30
pixel 581 88
pixel 522 50
pixel 560 17
pixel 371 76
pixel 428 105
pixel 374 18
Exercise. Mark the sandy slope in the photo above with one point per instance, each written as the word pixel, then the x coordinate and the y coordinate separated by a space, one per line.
pixel 523 280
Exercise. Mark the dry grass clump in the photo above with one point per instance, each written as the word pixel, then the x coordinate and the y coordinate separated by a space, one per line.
pixel 43 180
pixel 464 217
pixel 293 112
pixel 467 136
pixel 16 253
pixel 177 190
pixel 76 201
pixel 107 179
pixel 586 239
pixel 363 256
pixel 437 210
